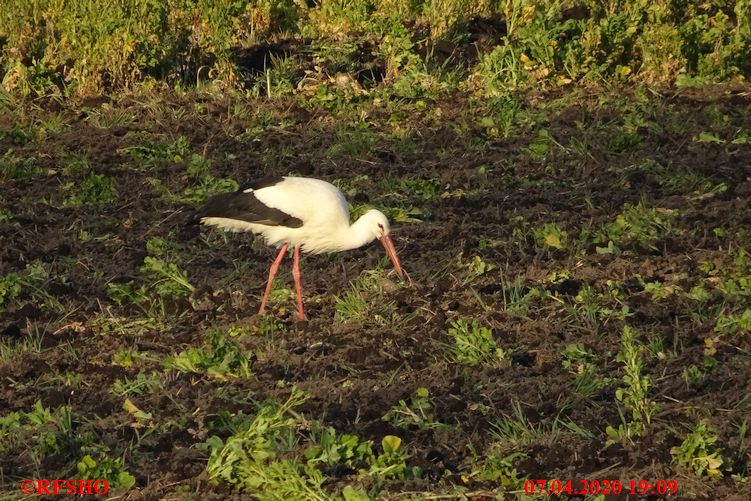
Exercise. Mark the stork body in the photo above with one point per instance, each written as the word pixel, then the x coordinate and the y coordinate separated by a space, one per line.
pixel 307 214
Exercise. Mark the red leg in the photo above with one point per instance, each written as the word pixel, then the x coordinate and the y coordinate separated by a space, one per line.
pixel 298 284
pixel 272 273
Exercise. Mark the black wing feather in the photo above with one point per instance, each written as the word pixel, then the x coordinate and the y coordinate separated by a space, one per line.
pixel 246 207
pixel 263 182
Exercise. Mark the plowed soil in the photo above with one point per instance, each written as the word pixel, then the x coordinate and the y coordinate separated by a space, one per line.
pixel 493 191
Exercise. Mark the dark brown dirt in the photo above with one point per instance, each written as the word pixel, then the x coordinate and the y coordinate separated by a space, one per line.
pixel 383 365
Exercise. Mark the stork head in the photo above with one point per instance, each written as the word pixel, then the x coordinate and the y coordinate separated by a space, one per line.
pixel 379 225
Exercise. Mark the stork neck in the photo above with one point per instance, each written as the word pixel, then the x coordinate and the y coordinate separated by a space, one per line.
pixel 356 235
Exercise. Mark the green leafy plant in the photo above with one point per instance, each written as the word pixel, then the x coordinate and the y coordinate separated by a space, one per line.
pixel 96 189
pixel 13 284
pixel 151 155
pixel 634 392
pixel 166 279
pixel 476 268
pixel 340 449
pixel 161 280
pixel 699 452
pixel 108 469
pixel 728 323
pixel 550 236
pixel 638 227
pixel 125 357
pixel 415 414
pixel 248 458
pixel 206 187
pixel 497 468
pixel 473 344
pixel 6 216
pixel 349 451
pixel 421 189
pixel 392 462
pixel 224 358
pixel 577 358
pixel 50 430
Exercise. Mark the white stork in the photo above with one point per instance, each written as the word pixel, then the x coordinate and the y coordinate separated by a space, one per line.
pixel 301 212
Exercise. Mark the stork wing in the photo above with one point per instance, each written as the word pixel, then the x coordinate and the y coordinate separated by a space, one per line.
pixel 243 205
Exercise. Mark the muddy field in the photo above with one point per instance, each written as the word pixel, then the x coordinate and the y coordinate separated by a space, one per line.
pixel 590 215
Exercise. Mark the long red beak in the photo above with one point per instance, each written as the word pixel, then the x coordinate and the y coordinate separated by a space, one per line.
pixel 389 246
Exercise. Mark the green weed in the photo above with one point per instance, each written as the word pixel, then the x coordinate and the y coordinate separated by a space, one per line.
pixel 728 323
pixel 30 279
pixel 498 469
pixel 517 296
pixel 588 383
pixel 581 362
pixel 166 279
pixel 279 77
pixel 51 431
pixel 96 47
pixel 638 227
pixel 499 72
pixel 223 359
pixel 350 452
pixel 261 121
pixel 516 430
pixel 6 216
pixel 476 268
pixel 693 376
pixel 364 303
pixel 163 246
pixel 682 181
pixel 416 413
pixel 106 468
pixel 32 342
pixel 699 452
pixel 334 449
pixel 74 165
pixel 352 140
pixel 501 116
pixel 577 358
pixel 17 168
pixel 550 236
pixel 108 117
pixel 54 123
pixel 634 392
pixel 142 383
pixel 125 357
pixel 19 134
pixel 151 155
pixel 421 189
pixel 96 189
pixel 589 309
pixel 269 325
pixel 473 344
pixel 247 458
pixel 206 187
pixel 162 281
